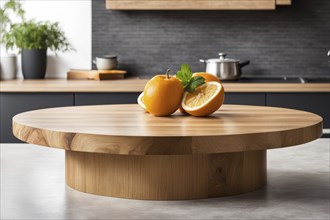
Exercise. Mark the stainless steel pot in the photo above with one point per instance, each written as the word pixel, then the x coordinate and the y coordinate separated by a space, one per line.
pixel 225 68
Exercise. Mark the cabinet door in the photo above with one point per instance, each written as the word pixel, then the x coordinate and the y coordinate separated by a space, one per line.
pixel 14 103
pixel 318 103
pixel 246 98
pixel 105 98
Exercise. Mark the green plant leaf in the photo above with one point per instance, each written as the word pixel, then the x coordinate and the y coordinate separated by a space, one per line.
pixel 185 68
pixel 194 83
pixel 37 35
pixel 189 82
pixel 181 76
pixel 184 74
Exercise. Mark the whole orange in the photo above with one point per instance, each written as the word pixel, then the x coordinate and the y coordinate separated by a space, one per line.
pixel 207 76
pixel 163 95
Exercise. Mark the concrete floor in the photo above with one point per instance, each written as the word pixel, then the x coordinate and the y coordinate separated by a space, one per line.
pixel 32 187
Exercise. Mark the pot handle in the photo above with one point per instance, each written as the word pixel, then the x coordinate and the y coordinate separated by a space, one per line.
pixel 202 61
pixel 244 63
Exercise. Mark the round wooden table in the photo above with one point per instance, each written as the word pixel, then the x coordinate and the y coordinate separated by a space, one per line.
pixel 121 151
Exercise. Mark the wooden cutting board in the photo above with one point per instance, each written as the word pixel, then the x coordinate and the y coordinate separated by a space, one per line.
pixel 96 74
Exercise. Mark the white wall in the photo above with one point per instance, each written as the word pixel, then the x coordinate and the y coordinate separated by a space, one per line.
pixel 75 17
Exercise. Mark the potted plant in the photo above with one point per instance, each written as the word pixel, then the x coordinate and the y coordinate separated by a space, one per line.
pixel 33 38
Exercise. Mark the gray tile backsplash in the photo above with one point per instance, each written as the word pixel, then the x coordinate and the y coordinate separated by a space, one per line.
pixel 292 40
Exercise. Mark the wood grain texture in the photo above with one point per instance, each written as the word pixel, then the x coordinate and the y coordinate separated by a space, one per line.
pixel 127 129
pixel 190 4
pixel 166 177
pixel 137 85
pixel 96 74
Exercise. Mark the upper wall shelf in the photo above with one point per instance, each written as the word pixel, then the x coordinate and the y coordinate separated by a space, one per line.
pixel 195 4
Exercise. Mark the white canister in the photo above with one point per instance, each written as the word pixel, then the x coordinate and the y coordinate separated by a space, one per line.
pixel 8 66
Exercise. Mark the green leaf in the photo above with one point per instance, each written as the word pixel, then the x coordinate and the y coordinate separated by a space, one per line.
pixel 37 35
pixel 180 76
pixel 194 83
pixel 185 83
pixel 185 68
pixel 184 74
pixel 189 82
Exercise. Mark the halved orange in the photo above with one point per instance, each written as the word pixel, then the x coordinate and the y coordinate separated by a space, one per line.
pixel 141 103
pixel 206 99
pixel 182 110
pixel 207 76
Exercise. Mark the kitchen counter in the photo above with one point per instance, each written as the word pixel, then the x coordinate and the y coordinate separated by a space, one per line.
pixel 137 85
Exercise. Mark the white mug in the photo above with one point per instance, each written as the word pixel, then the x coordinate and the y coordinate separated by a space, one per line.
pixel 107 62
pixel 8 67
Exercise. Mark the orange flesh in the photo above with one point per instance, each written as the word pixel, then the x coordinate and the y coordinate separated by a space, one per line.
pixel 200 96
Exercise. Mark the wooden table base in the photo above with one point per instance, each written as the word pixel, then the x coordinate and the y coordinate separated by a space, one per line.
pixel 166 177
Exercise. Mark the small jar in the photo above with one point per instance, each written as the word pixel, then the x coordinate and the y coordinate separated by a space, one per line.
pixel 8 65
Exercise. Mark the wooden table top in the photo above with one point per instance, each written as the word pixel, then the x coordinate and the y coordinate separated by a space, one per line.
pixel 127 129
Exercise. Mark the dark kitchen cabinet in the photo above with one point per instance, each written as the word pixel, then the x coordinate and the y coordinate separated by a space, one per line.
pixel 318 103
pixel 246 98
pixel 14 103
pixel 105 98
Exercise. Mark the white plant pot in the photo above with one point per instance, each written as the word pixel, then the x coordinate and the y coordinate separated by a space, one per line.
pixel 8 65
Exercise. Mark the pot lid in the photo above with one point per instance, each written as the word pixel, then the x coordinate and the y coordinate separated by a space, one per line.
pixel 222 59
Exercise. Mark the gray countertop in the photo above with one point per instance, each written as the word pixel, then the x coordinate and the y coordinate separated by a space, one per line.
pixel 32 187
